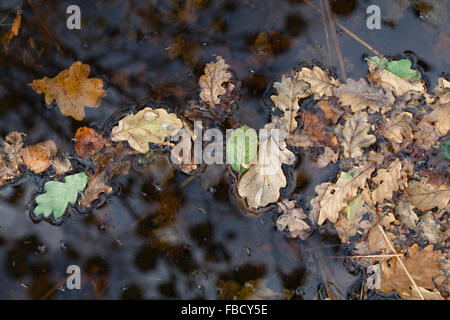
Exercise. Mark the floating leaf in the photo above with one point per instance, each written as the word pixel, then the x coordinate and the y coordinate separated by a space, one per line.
pixel 58 195
pixel 262 182
pixel 359 96
pixel 289 91
pixel 388 181
pixel 321 83
pixel 72 90
pixel 425 196
pixel 401 68
pixel 87 142
pixel 333 197
pixel 39 156
pixel 242 146
pixel 421 265
pixel 354 135
pixel 211 83
pixel 146 126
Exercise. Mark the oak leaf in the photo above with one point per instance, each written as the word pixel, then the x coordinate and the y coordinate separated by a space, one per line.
pixel 321 83
pixel 107 165
pixel 326 157
pixel 38 157
pixel 388 181
pixel 430 228
pixel 425 196
pixel 349 219
pixel 354 135
pixel 421 265
pixel 262 182
pixel 404 211
pixel 289 91
pixel 72 90
pixel 398 130
pixel 87 142
pixel 331 109
pixel 359 96
pixel 443 91
pixel 10 159
pixel 211 83
pixel 333 197
pixel 146 126
pixel 292 218
pixel 390 82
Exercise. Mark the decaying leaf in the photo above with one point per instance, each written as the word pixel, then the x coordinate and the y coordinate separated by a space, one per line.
pixel 108 165
pixel 87 142
pixel 10 159
pixel 58 195
pixel 427 136
pixel 333 197
pixel 388 181
pixel 421 265
pixel 315 128
pixel 61 166
pixel 349 219
pixel 262 182
pixel 293 219
pixel 390 82
pixel 425 196
pixel 440 118
pixel 289 91
pixel 326 157
pixel 426 294
pixel 404 211
pixel 146 126
pixel 13 31
pixel 72 90
pixel 38 157
pixel 321 83
pixel 430 228
pixel 211 83
pixel 443 91
pixel 359 96
pixel 354 135
pixel 178 157
pixel 398 130
pixel 331 109
pixel 377 242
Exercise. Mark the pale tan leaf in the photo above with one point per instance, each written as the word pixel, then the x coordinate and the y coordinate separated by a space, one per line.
pixel 326 157
pixel 333 197
pixel 377 242
pixel 443 91
pixel 440 117
pixel 289 91
pixel 359 96
pixel 146 126
pixel 349 219
pixel 430 228
pixel 390 82
pixel 292 218
pixel 388 181
pixel 261 184
pixel 425 196
pixel 321 83
pixel 427 136
pixel 354 135
pixel 61 166
pixel 38 157
pixel 211 83
pixel 427 294
pixel 404 211
pixel 398 129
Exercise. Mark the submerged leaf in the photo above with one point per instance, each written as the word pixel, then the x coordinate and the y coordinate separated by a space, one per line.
pixel 58 195
pixel 146 126
pixel 72 90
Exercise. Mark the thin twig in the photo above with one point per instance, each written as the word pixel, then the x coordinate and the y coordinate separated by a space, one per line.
pixel 44 26
pixel 335 39
pixel 325 27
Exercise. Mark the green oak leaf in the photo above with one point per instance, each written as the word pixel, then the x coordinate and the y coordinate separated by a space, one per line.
pixel 242 145
pixel 59 194
pixel 445 149
pixel 401 68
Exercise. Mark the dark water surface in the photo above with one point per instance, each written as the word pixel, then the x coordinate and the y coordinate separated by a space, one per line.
pixel 163 236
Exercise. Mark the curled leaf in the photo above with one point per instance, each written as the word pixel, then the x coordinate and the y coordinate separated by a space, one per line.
pixel 211 83
pixel 87 142
pixel 293 219
pixel 39 156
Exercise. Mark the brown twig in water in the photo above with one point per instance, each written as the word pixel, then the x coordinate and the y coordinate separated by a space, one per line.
pixel 44 26
pixel 351 34
pixel 325 27
pixel 46 295
pixel 335 39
